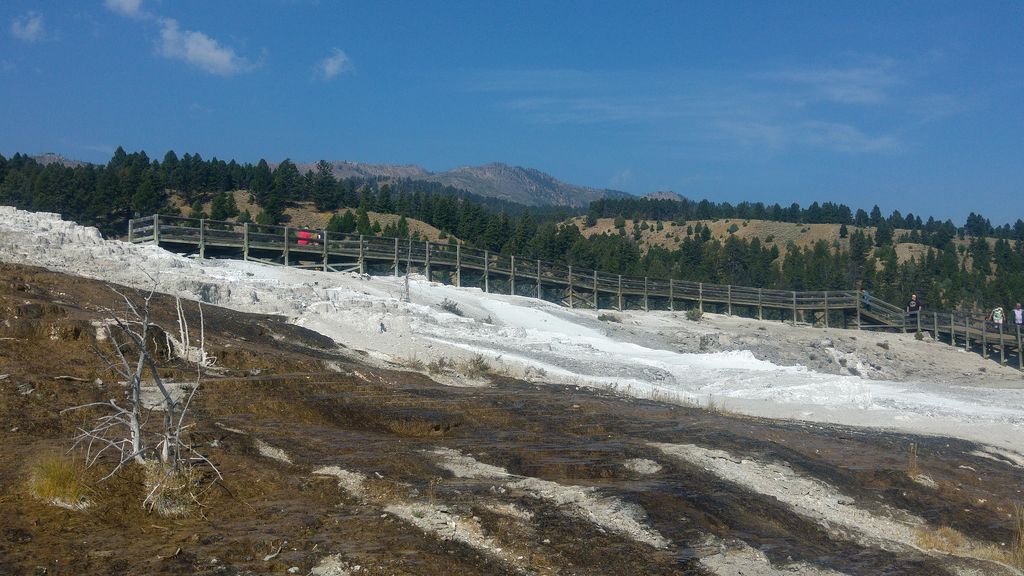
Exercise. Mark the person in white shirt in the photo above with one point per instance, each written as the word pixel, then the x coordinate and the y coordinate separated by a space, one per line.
pixel 997 315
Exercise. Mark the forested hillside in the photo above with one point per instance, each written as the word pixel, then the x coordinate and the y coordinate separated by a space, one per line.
pixel 973 265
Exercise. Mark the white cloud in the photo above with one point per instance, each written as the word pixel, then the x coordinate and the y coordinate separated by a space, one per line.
pixel 28 27
pixel 131 8
pixel 859 85
pixel 845 138
pixel 198 49
pixel 333 65
pixel 775 137
pixel 837 109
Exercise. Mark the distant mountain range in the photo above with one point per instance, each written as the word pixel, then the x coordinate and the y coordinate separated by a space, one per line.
pixel 664 195
pixel 48 158
pixel 495 180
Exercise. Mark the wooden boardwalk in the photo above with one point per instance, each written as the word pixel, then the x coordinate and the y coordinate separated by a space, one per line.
pixel 567 285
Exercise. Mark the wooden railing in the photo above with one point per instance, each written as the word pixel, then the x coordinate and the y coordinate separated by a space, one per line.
pixel 569 285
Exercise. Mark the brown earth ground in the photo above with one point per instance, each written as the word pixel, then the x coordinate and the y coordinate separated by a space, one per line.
pixel 291 389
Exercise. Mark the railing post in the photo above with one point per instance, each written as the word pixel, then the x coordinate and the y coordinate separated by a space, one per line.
pixel 458 264
pixel 539 293
pixel 202 238
pixel 396 257
pixel 918 320
pixel 671 296
pixel 570 286
pixel 245 241
pixel 984 339
pixel 645 294
pixel 487 275
pixel 512 278
pixel 859 299
pixel 935 325
pixel 728 299
pixel 826 308
pixel 1020 354
pixel 362 255
pixel 620 292
pixel 156 229
pixel 700 297
pixel 794 307
pixel 426 258
pixel 760 308
pixel 323 240
pixel 286 246
pixel 967 333
pixel 952 331
pixel 131 225
pixel 595 292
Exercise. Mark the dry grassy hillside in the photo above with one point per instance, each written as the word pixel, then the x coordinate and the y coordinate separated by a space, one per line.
pixel 305 215
pixel 770 233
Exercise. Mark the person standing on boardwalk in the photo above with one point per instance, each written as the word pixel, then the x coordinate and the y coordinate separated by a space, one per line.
pixel 914 306
pixel 996 316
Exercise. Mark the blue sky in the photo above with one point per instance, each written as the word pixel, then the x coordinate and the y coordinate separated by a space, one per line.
pixel 915 106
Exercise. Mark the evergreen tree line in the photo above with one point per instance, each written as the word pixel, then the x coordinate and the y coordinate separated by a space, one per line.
pixel 132 184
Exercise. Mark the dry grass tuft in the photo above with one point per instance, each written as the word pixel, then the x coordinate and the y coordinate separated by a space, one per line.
pixel 717 407
pixel 475 367
pixel 414 363
pixel 951 541
pixel 419 428
pixel 440 365
pixel 60 481
pixel 172 493
pixel 944 539
pixel 1017 549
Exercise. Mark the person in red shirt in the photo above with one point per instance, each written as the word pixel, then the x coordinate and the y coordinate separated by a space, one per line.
pixel 307 238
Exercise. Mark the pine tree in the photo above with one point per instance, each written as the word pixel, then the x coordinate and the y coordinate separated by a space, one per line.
pixel 262 182
pixel 325 195
pixel 362 222
pixel 146 200
pixel 196 210
pixel 384 201
pixel 223 206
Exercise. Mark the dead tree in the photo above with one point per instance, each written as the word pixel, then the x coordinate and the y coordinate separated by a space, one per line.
pixel 123 428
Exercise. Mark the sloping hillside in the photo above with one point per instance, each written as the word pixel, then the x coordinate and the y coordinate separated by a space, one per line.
pixel 305 215
pixel 770 233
